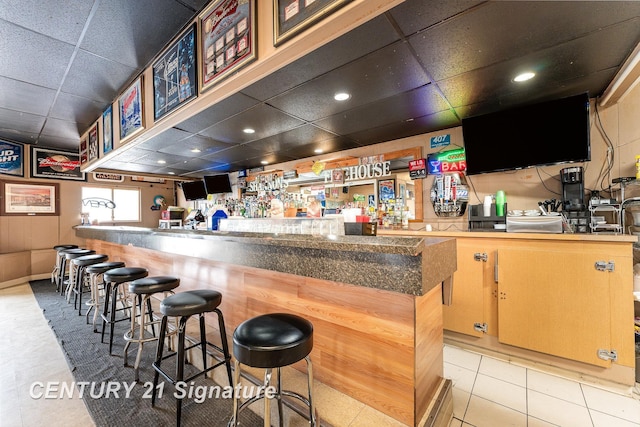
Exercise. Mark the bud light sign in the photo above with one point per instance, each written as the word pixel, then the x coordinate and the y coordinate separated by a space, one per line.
pixel 11 158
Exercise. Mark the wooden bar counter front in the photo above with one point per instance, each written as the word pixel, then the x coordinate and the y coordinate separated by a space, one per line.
pixel 375 302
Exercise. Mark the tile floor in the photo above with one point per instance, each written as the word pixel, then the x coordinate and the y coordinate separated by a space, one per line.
pixel 486 391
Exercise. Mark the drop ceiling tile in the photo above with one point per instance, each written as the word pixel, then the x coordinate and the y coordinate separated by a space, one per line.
pixel 61 128
pixel 395 109
pixel 17 57
pixel 302 135
pixel 59 20
pixel 97 78
pixel 133 32
pixel 192 164
pixel 418 126
pixel 56 141
pixel 76 109
pixel 234 154
pixel 365 39
pixel 154 157
pixel 386 72
pixel 20 96
pixel 130 155
pixel 218 112
pixel 416 15
pixel 328 146
pixel 264 119
pixel 184 147
pixel 19 121
pixel 168 138
pixel 10 134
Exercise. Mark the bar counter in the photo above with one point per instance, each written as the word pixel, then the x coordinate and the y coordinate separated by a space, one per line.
pixel 375 302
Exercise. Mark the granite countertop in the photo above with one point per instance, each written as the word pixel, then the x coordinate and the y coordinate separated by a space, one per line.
pixel 411 265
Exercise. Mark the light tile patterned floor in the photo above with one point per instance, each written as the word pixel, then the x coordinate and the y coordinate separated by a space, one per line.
pixel 487 391
pixel 490 392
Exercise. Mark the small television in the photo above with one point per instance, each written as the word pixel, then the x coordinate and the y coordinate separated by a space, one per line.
pixel 216 184
pixel 194 190
pixel 542 134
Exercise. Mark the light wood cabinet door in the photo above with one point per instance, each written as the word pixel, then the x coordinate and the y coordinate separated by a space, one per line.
pixel 552 299
pixel 468 300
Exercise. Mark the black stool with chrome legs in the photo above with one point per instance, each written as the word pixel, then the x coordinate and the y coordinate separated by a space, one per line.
pixel 55 274
pixel 96 283
pixel 141 291
pixel 183 305
pixel 82 279
pixel 115 279
pixel 272 341
pixel 61 281
pixel 70 255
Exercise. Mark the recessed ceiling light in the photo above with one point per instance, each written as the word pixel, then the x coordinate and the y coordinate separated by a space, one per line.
pixel 341 96
pixel 195 150
pixel 318 151
pixel 264 162
pixel 524 77
pixel 171 173
pixel 248 130
pixel 162 162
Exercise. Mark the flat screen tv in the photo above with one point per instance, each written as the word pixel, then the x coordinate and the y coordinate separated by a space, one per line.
pixel 542 134
pixel 216 184
pixel 194 190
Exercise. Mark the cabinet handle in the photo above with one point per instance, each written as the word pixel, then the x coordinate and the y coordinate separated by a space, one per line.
pixel 480 256
pixel 605 266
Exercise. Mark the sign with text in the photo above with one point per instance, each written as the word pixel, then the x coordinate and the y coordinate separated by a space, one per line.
pixel 11 158
pixel 447 161
pixel 440 141
pixel 418 168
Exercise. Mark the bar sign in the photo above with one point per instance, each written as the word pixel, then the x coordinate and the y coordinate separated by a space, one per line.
pixel 440 140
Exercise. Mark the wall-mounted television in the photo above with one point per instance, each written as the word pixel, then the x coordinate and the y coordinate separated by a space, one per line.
pixel 541 134
pixel 216 184
pixel 194 190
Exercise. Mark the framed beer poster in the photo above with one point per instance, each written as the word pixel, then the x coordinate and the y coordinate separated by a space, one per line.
pixel 291 17
pixel 11 158
pixel 174 75
pixel 227 39
pixel 131 112
pixel 93 146
pixel 107 130
pixel 55 164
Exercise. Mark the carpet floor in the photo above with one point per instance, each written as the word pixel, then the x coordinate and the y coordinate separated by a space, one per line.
pixel 109 390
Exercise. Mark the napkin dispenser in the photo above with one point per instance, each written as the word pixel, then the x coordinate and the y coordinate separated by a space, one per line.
pixel 534 224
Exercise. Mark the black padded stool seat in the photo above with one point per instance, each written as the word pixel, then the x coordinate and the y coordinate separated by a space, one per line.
pixel 95 271
pixel 113 279
pixel 191 302
pixel 272 341
pixel 55 273
pixel 142 290
pixel 81 264
pixel 183 305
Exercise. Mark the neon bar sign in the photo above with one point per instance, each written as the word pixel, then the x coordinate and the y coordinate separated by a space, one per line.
pixel 447 161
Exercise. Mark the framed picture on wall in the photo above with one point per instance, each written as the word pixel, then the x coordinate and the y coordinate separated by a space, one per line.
pixel 174 75
pixel 291 17
pixel 11 158
pixel 386 190
pixel 18 198
pixel 227 39
pixel 131 111
pixel 93 146
pixel 107 130
pixel 55 164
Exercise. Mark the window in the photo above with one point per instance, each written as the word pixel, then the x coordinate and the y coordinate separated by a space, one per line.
pixel 105 204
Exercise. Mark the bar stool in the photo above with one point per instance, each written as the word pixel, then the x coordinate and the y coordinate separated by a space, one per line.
pixel 96 272
pixel 272 341
pixel 141 291
pixel 56 267
pixel 62 273
pixel 114 279
pixel 183 305
pixel 82 279
pixel 70 255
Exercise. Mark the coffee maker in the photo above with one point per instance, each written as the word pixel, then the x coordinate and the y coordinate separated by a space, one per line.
pixel 572 189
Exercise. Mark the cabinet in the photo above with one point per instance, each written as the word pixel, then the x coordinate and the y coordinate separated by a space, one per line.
pixel 473 310
pixel 567 300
